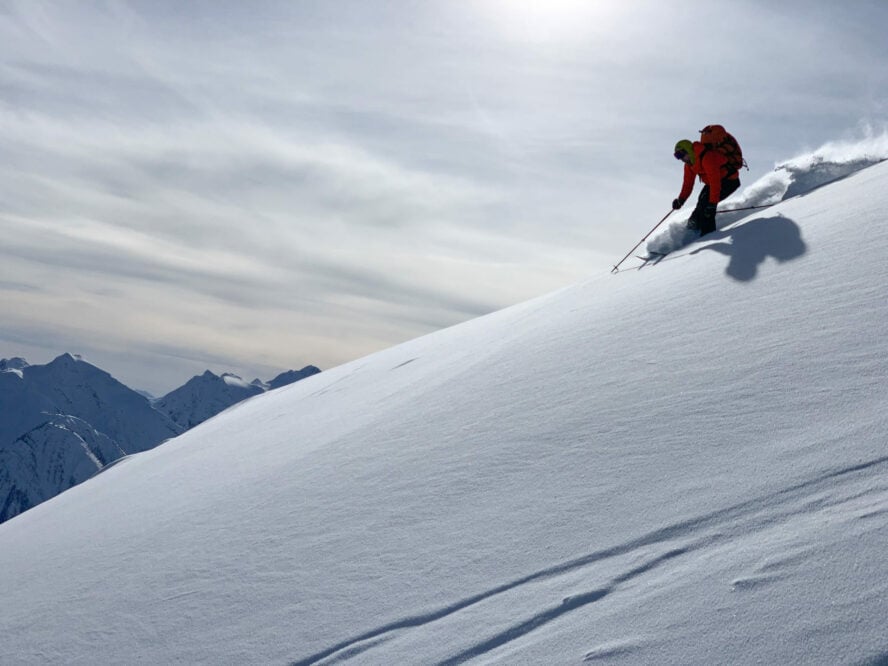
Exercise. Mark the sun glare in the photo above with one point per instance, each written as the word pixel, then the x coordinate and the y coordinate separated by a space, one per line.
pixel 547 20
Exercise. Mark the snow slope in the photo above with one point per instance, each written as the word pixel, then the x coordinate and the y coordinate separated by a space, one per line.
pixel 683 464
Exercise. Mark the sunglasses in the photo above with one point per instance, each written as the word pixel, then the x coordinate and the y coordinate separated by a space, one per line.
pixel 681 155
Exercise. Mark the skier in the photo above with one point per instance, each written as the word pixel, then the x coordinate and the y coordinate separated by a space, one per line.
pixel 716 159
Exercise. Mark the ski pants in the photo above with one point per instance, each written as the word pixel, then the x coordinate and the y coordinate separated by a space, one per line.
pixel 699 219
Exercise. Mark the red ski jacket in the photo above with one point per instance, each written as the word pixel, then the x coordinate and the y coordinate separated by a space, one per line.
pixel 711 167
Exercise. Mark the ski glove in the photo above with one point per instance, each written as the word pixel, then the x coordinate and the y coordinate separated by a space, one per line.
pixel 677 203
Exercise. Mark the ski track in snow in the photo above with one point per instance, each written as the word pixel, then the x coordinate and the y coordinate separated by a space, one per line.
pixel 830 490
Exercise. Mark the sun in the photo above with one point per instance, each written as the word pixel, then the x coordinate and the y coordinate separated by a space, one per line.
pixel 547 20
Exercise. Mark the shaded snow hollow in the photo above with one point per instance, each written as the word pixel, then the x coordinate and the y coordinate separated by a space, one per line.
pixel 683 464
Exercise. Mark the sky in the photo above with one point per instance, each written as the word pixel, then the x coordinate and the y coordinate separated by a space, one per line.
pixel 253 187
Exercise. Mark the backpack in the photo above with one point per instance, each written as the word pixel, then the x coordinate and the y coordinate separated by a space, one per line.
pixel 716 137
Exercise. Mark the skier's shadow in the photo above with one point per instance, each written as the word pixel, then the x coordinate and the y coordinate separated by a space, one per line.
pixel 750 244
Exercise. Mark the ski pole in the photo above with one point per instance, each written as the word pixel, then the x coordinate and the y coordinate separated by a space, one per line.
pixel 617 266
pixel 734 210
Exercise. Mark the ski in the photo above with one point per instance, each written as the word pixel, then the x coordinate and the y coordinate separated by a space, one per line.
pixel 654 257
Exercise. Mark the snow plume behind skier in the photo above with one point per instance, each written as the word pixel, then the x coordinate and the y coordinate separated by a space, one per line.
pixel 793 177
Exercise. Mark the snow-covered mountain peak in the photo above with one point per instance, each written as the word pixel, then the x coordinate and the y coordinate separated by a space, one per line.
pixel 67 368
pixel 67 360
pixel 204 396
pixel 237 382
pixel 15 364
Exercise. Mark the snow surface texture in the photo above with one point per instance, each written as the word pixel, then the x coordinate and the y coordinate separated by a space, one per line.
pixel 684 464
pixel 795 177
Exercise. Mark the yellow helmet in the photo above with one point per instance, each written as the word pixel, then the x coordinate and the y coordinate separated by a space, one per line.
pixel 683 148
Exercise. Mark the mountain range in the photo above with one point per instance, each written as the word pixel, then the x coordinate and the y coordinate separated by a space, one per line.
pixel 62 422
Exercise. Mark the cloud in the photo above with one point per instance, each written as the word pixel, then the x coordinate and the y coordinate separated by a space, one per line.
pixel 219 234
